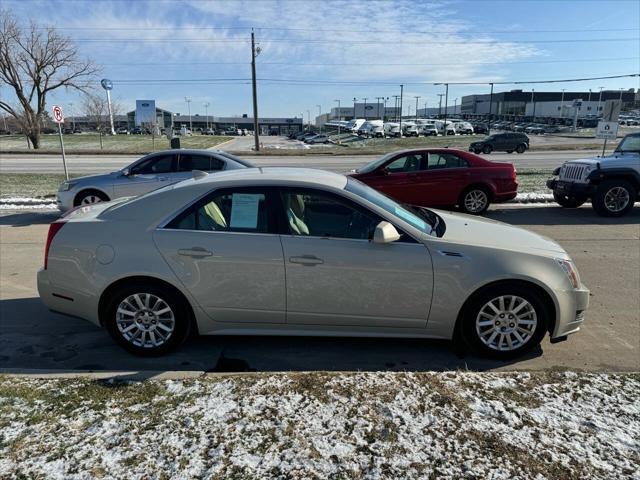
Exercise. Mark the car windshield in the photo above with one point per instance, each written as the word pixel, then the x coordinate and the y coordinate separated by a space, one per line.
pixel 376 163
pixel 423 220
pixel 630 143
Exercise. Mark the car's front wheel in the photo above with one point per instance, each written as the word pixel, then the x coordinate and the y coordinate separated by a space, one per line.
pixel 89 197
pixel 520 148
pixel 147 319
pixel 569 201
pixel 475 200
pixel 614 198
pixel 505 321
pixel 487 149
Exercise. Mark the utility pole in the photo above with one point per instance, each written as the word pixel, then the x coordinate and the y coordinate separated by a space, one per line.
pixel 378 103
pixel 425 109
pixel 440 105
pixel 455 105
pixel 339 118
pixel 562 104
pixel 384 108
pixel 319 115
pixel 365 107
pixel 206 113
pixel 188 100
pixel 416 97
pixel 354 107
pixel 446 103
pixel 401 90
pixel 254 53
pixel 599 100
pixel 490 110
pixel 395 107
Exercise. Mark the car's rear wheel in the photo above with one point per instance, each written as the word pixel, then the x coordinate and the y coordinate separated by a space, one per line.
pixel 147 319
pixel 569 201
pixel 505 321
pixel 475 200
pixel 520 148
pixel 487 149
pixel 89 197
pixel 614 198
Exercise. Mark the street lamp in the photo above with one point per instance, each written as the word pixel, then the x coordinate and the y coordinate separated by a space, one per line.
pixel 417 97
pixel 354 107
pixel 599 100
pixel 206 113
pixel 188 100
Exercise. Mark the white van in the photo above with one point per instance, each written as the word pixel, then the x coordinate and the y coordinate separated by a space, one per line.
pixel 463 128
pixel 392 129
pixel 372 129
pixel 409 129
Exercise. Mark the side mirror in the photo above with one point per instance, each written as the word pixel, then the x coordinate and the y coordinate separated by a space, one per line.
pixel 126 172
pixel 385 233
pixel 384 171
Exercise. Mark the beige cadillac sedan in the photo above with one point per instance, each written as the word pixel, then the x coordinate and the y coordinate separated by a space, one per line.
pixel 287 251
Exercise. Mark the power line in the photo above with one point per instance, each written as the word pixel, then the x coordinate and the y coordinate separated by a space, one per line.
pixel 577 60
pixel 291 81
pixel 354 42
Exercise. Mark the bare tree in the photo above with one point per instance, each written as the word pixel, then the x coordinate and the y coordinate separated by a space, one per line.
pixel 33 62
pixel 96 109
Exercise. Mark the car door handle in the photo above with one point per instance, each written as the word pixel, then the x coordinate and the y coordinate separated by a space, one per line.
pixel 306 260
pixel 194 252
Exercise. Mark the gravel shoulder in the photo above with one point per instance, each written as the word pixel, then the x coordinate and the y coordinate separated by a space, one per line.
pixel 549 425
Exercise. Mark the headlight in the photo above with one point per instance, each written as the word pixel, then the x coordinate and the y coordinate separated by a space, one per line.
pixel 65 186
pixel 570 271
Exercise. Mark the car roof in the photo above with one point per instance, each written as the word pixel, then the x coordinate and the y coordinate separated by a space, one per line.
pixel 271 175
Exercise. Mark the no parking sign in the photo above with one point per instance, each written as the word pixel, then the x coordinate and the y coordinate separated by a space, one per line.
pixel 58 116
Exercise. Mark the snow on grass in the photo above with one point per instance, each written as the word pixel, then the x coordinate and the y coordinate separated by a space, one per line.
pixel 368 425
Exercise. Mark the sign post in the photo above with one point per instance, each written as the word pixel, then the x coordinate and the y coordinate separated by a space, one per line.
pixel 58 117
pixel 108 86
pixel 608 126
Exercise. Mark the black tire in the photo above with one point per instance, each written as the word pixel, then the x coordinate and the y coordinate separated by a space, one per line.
pixel 521 148
pixel 115 322
pixel 474 195
pixel 569 201
pixel 87 196
pixel 487 149
pixel 471 313
pixel 604 201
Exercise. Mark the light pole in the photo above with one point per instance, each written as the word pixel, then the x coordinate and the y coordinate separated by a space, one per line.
pixel 339 118
pixel 401 93
pixel 440 105
pixel 426 115
pixel 599 100
pixel 302 117
pixel 395 107
pixel 365 107
pixel 206 112
pixel 455 105
pixel 562 104
pixel 309 119
pixel 188 100
pixel 354 107
pixel 417 97
pixel 319 115
pixel 533 105
pixel 378 103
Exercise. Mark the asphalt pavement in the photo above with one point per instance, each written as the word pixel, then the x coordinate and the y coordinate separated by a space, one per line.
pixel 87 164
pixel 606 251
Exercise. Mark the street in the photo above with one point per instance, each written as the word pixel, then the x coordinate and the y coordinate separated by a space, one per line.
pixel 87 164
pixel 606 251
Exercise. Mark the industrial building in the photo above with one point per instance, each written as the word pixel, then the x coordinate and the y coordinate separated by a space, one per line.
pixel 543 104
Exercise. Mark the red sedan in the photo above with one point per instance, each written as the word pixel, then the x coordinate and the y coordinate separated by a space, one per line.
pixel 441 177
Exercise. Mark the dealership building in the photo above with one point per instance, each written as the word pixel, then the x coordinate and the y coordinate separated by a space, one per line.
pixel 544 104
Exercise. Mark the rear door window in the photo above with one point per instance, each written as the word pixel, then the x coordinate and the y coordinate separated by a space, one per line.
pixel 413 162
pixel 445 160
pixel 156 164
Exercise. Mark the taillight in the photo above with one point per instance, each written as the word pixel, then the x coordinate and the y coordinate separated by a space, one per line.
pixel 53 229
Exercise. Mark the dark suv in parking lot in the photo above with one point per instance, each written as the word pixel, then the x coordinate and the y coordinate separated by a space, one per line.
pixel 501 142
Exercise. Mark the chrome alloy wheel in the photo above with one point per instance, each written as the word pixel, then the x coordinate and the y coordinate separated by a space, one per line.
pixel 90 199
pixel 145 320
pixel 475 201
pixel 616 199
pixel 506 323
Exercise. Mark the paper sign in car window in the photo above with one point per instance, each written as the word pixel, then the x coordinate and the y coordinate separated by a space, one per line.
pixel 411 218
pixel 244 210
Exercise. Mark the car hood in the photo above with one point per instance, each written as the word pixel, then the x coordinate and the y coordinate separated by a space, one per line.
pixel 479 231
pixel 610 160
pixel 98 177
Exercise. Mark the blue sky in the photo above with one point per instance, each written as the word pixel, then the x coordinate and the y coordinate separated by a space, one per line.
pixel 161 49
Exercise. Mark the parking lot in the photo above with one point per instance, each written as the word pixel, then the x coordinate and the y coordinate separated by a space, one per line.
pixel 606 251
